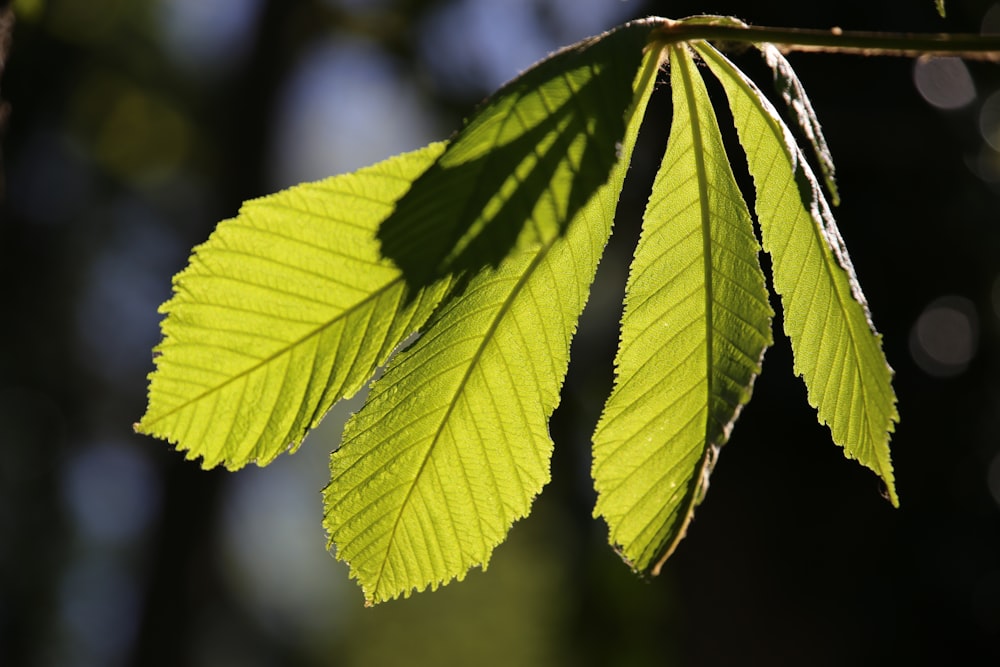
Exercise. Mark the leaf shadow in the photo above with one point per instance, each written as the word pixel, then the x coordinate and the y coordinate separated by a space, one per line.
pixel 486 197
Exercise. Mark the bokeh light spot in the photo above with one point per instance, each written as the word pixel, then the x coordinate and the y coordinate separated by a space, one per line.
pixel 90 22
pixel 143 139
pixel 991 20
pixel 943 340
pixel 29 10
pixel 274 545
pixel 985 163
pixel 207 38
pixel 944 82
pixel 116 313
pixel 112 493
pixel 578 19
pixel 989 120
pixel 345 106
pixel 478 45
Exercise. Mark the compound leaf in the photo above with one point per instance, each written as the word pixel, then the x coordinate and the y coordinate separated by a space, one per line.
pixel 694 331
pixel 453 444
pixel 283 311
pixel 486 247
pixel 836 348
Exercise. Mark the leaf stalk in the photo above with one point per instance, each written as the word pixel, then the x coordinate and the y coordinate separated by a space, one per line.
pixel 834 40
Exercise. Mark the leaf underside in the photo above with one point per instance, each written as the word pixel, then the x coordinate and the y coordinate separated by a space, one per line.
pixel 489 194
pixel 453 444
pixel 836 349
pixel 694 330
pixel 286 309
pixel 486 247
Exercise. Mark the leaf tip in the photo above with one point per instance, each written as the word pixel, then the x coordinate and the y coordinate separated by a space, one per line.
pixel 888 489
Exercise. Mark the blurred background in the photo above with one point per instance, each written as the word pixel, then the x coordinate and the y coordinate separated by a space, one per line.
pixel 132 126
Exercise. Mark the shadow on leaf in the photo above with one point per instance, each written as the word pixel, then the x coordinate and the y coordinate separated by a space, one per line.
pixel 523 166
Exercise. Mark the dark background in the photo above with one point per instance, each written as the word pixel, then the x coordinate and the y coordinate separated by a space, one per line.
pixel 134 126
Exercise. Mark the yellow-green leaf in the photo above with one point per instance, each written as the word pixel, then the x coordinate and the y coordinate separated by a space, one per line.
pixel 453 444
pixel 836 348
pixel 694 331
pixel 286 309
pixel 490 192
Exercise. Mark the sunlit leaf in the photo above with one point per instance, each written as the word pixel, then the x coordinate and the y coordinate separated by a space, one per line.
pixel 480 253
pixel 489 193
pixel 283 311
pixel 453 444
pixel 695 327
pixel 836 348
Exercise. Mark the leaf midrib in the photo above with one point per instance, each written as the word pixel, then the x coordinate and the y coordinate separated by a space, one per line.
pixel 343 315
pixel 536 261
pixel 829 259
pixel 797 158
pixel 872 431
pixel 698 143
pixel 487 339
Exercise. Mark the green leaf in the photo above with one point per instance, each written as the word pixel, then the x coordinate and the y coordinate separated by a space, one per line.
pixel 453 444
pixel 794 95
pixel 283 311
pixel 489 194
pixel 836 349
pixel 940 7
pixel 694 331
